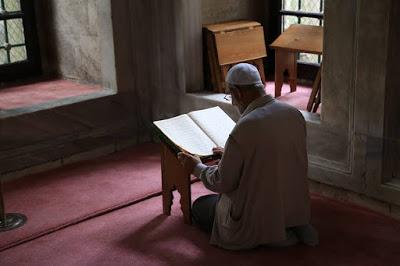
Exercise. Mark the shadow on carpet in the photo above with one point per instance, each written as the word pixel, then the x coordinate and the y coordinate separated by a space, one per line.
pixel 74 193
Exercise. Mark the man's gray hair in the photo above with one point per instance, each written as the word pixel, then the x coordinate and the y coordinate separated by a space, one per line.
pixel 259 87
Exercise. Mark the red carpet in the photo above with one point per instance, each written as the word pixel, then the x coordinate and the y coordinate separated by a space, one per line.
pixel 298 99
pixel 73 193
pixel 41 92
pixel 141 235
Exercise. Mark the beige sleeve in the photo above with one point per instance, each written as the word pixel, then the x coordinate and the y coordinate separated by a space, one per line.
pixel 225 177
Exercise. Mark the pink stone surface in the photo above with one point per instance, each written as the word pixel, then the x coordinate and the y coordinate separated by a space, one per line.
pixel 42 92
pixel 298 99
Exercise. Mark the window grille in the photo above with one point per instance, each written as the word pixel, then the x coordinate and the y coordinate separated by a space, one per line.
pixel 12 38
pixel 19 51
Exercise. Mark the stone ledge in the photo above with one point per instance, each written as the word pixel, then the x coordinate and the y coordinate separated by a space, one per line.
pixel 363 201
pixel 98 151
pixel 56 103
pixel 202 100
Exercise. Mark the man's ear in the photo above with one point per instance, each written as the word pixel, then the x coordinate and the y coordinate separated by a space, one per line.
pixel 236 93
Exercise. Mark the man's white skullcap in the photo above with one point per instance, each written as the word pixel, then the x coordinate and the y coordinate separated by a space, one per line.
pixel 243 74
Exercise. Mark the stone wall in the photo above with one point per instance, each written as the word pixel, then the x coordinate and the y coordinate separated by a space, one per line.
pixel 72 38
pixel 392 100
pixel 214 11
pixel 103 122
pixel 346 145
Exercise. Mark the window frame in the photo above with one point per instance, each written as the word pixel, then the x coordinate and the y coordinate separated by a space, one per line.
pixel 31 66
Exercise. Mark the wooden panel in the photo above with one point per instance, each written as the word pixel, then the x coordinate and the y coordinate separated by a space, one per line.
pixel 240 45
pixel 216 79
pixel 301 38
pixel 231 25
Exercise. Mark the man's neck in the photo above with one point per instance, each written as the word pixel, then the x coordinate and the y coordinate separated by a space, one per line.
pixel 251 97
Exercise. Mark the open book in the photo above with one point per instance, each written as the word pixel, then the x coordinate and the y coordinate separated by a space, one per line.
pixel 199 131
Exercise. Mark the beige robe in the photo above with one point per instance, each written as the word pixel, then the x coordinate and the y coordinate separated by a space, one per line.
pixel 262 177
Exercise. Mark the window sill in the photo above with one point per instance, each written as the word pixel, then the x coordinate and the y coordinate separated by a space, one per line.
pixel 38 96
pixel 202 100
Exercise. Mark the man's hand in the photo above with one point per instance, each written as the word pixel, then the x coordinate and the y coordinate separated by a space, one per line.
pixel 218 151
pixel 188 161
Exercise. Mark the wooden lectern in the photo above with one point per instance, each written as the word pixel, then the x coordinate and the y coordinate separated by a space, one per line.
pixel 175 177
pixel 297 38
pixel 230 43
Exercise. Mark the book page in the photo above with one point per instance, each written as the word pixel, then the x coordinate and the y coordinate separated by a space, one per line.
pixel 215 123
pixel 182 131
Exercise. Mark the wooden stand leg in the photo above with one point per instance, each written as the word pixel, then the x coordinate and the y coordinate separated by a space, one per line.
pixel 285 60
pixel 167 186
pixel 224 73
pixel 279 71
pixel 183 186
pixel 317 101
pixel 260 65
pixel 292 69
pixel 174 176
pixel 315 93
pixel 211 62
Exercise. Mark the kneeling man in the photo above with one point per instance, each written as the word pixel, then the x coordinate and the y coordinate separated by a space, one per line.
pixel 261 179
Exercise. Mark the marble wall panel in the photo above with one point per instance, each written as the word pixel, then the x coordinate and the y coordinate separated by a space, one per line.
pixel 214 11
pixel 338 71
pixel 74 40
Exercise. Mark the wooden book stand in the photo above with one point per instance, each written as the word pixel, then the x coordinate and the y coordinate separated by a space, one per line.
pixel 231 43
pixel 175 177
